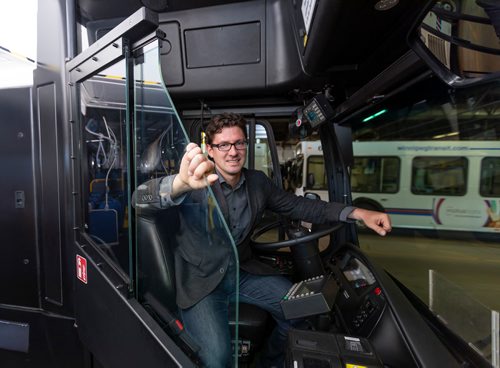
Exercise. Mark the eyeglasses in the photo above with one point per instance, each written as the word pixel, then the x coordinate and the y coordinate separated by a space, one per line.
pixel 224 147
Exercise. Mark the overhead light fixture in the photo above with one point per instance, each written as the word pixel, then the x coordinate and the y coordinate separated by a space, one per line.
pixel 385 4
pixel 374 115
pixel 452 134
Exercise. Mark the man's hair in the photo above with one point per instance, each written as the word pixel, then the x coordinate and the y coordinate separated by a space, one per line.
pixel 225 120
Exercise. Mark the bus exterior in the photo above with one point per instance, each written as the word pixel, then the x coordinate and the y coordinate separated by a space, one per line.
pixel 308 177
pixel 436 185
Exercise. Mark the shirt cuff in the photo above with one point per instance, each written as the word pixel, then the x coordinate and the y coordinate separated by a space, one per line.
pixel 165 189
pixel 345 213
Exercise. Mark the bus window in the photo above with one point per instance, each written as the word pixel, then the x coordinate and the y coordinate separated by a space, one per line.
pixel 439 176
pixel 390 174
pixel 18 43
pixel 105 175
pixel 375 174
pixel 316 170
pixel 263 160
pixel 490 177
pixel 296 171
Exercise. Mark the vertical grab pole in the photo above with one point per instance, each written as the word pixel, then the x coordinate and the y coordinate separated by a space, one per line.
pixel 431 288
pixel 495 339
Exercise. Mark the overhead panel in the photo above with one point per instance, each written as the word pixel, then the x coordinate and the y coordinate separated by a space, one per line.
pixel 223 50
pixel 223 45
pixel 171 54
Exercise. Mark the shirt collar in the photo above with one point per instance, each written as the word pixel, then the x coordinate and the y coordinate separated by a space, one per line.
pixel 238 185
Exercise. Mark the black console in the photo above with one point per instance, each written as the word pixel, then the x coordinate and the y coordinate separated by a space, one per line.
pixel 350 300
pixel 314 349
pixel 360 302
pixel 310 297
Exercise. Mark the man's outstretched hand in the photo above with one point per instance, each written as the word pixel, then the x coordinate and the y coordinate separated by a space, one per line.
pixel 377 221
pixel 196 171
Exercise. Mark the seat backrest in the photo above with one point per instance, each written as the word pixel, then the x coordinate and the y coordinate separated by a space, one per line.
pixel 156 239
pixel 156 285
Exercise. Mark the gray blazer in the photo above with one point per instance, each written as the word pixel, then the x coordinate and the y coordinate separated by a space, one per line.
pixel 202 255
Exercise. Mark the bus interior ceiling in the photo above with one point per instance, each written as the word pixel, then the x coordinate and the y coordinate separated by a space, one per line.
pixel 236 54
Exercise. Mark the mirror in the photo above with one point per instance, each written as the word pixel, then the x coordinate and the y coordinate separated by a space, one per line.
pixel 460 40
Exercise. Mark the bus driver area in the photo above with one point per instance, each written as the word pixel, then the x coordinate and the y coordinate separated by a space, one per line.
pixel 399 114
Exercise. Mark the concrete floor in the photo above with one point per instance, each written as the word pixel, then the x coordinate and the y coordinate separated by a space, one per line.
pixel 470 264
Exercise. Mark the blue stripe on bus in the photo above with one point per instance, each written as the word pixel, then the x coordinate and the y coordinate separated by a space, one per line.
pixel 485 149
pixel 408 212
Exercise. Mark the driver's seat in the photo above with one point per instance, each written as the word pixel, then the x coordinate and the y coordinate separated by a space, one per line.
pixel 156 284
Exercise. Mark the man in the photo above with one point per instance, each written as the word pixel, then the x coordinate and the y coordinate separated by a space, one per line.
pixel 205 279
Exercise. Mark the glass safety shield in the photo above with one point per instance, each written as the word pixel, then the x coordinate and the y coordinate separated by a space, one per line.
pixel 170 253
pixel 184 250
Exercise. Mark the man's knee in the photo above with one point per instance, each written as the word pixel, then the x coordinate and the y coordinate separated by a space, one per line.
pixel 216 355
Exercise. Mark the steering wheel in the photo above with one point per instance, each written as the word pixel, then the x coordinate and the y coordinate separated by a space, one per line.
pixel 315 234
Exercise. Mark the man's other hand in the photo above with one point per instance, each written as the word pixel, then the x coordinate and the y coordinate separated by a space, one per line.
pixel 377 221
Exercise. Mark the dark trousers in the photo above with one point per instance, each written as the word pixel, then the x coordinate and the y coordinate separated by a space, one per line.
pixel 207 322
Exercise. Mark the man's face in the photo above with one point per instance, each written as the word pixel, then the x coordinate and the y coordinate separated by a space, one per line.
pixel 231 162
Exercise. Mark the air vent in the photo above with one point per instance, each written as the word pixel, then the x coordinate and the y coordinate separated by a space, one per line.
pixel 439 47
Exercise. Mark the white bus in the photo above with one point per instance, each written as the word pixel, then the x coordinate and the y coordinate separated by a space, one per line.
pixel 438 185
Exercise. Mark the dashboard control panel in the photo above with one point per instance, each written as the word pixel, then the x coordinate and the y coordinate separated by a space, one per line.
pixel 360 301
pixel 318 111
pixel 366 311
pixel 310 297
pixel 316 349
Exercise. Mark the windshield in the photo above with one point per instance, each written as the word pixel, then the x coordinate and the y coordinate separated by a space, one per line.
pixel 430 157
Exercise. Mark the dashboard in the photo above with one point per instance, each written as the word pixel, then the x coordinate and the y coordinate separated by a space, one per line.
pixel 370 305
pixel 365 302
pixel 360 302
